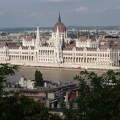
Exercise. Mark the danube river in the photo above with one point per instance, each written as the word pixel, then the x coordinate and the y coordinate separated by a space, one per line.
pixel 53 74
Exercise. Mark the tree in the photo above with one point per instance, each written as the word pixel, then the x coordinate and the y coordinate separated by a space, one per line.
pixel 17 107
pixel 39 82
pixel 23 108
pixel 5 70
pixel 99 96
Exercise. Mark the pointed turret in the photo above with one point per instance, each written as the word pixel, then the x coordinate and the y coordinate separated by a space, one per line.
pixel 60 25
pixel 59 18
pixel 38 33
pixel 37 42
pixel 57 31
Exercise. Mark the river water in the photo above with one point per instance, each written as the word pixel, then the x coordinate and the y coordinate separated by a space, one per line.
pixel 52 74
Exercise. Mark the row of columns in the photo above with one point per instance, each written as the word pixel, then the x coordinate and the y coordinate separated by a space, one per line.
pixel 86 60
pixel 17 57
pixel 46 52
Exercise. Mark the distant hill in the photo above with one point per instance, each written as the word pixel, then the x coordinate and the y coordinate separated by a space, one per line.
pixel 22 29
pixel 96 27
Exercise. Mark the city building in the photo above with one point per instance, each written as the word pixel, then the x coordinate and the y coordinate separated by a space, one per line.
pixel 58 51
pixel 24 83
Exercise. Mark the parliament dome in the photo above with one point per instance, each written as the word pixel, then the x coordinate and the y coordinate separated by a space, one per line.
pixel 59 25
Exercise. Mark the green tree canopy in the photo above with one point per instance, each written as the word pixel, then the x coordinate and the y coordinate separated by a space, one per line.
pixel 99 96
pixel 14 106
pixel 23 108
pixel 5 70
pixel 39 82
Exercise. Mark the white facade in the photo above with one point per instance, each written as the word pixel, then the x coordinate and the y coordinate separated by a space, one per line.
pixel 24 83
pixel 86 55
pixel 28 42
pixel 87 43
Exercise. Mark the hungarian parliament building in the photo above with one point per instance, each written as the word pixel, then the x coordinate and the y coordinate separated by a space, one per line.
pixel 59 51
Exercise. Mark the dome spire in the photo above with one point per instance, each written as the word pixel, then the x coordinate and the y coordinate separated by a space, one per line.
pixel 60 25
pixel 59 18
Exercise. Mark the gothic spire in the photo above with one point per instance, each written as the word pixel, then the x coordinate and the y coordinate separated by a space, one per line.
pixel 59 18
pixel 38 33
pixel 37 42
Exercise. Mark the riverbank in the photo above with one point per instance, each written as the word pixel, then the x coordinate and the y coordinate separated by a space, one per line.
pixel 51 74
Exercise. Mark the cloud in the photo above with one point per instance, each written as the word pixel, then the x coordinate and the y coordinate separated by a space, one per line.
pixel 116 8
pixel 56 0
pixel 16 13
pixel 112 9
pixel 81 9
pixel 3 12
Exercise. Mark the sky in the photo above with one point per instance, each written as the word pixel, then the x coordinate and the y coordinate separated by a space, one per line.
pixel 28 13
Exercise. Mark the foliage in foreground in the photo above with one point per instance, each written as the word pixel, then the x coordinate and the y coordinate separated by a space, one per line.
pixel 16 107
pixel 39 82
pixel 99 97
pixel 5 70
pixel 22 108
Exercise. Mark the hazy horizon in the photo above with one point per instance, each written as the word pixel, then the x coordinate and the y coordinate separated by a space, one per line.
pixel 27 13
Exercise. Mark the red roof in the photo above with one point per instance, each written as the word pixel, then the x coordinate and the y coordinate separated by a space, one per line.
pixel 28 39
pixel 61 27
pixel 104 41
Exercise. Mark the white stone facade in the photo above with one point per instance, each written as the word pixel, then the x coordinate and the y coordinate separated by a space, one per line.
pixel 28 42
pixel 87 43
pixel 24 83
pixel 58 55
